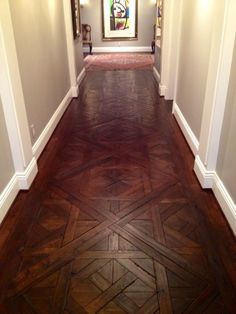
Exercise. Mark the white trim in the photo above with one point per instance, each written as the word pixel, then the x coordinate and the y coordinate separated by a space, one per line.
pixel 221 90
pixel 74 91
pixel 210 179
pixel 156 75
pixel 41 142
pixel 7 196
pixel 26 178
pixel 81 76
pixel 223 39
pixel 226 202
pixel 177 15
pixel 162 89
pixel 166 41
pixel 205 177
pixel 119 49
pixel 170 42
pixel 70 45
pixel 187 131
pixel 20 180
pixel 12 94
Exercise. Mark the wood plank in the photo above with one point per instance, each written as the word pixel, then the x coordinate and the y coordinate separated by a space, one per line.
pixel 165 251
pixel 114 254
pixel 202 302
pixel 164 297
pixel 150 307
pixel 55 261
pixel 138 272
pixel 136 211
pixel 126 303
pixel 111 293
pixel 91 268
pixel 151 252
pixel 71 226
pixel 60 296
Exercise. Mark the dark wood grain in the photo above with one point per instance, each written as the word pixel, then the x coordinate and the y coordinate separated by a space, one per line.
pixel 116 221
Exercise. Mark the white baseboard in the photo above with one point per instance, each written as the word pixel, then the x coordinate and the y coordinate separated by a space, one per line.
pixel 26 178
pixel 156 75
pixel 19 181
pixel 162 89
pixel 188 133
pixel 7 196
pixel 74 91
pixel 81 76
pixel 23 180
pixel 41 142
pixel 119 49
pixel 226 202
pixel 210 179
pixel 205 177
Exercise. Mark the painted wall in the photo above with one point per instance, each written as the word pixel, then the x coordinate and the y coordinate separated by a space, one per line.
pixel 157 59
pixel 6 163
pixel 226 164
pixel 79 59
pixel 41 48
pixel 91 14
pixel 195 43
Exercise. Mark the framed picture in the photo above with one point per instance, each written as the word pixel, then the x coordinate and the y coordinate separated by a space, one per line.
pixel 119 19
pixel 159 18
pixel 75 10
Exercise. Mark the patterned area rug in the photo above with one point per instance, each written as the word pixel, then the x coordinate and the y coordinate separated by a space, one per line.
pixel 119 61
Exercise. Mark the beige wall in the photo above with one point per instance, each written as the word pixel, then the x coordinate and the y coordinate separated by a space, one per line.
pixel 92 14
pixel 196 31
pixel 42 54
pixel 6 163
pixel 157 62
pixel 79 59
pixel 226 165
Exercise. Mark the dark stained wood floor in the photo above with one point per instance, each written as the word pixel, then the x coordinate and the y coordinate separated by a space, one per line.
pixel 116 221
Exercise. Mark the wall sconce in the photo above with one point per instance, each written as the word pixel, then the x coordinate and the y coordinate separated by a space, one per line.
pixel 83 2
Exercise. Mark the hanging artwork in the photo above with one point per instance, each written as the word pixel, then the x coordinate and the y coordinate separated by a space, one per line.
pixel 75 11
pixel 119 19
pixel 159 18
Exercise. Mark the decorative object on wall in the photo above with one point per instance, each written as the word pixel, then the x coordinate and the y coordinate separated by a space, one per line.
pixel 159 18
pixel 119 19
pixel 154 39
pixel 75 10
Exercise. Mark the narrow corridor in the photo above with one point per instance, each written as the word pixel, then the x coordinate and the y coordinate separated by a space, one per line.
pixel 116 221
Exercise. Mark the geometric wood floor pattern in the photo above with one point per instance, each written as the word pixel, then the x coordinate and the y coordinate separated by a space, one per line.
pixel 116 221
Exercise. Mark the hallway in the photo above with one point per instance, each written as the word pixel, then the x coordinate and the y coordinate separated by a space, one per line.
pixel 116 221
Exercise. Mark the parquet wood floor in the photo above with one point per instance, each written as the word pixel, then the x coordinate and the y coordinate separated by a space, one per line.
pixel 116 221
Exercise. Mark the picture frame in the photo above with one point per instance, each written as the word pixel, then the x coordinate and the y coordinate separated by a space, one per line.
pixel 76 21
pixel 119 19
pixel 159 18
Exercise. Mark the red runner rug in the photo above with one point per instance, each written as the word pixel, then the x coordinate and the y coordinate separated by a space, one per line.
pixel 119 61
